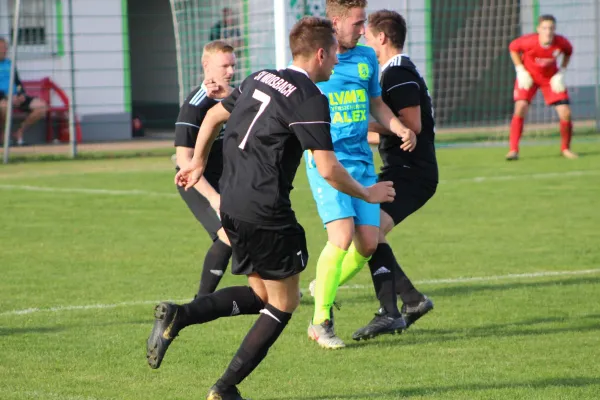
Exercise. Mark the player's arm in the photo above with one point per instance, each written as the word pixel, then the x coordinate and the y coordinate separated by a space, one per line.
pixel 207 134
pixel 516 48
pixel 386 117
pixel 524 79
pixel 404 92
pixel 557 82
pixel 186 131
pixel 338 177
pixel 383 114
pixel 184 158
pixel 213 91
pixel 311 124
pixel 209 130
pixel 565 61
pixel 516 58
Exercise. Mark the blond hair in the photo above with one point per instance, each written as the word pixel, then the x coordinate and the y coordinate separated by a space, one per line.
pixel 216 46
pixel 340 8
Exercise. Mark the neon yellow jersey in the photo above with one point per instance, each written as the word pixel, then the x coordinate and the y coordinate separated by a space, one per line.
pixel 354 81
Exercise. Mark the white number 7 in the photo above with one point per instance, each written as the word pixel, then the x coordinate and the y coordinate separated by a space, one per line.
pixel 265 99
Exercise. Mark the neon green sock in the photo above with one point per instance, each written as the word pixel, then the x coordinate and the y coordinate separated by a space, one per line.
pixel 352 264
pixel 329 268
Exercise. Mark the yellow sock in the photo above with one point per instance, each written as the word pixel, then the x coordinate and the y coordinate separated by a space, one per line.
pixel 329 268
pixel 352 264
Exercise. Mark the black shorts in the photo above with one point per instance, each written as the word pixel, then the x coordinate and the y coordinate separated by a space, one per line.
pixel 273 252
pixel 411 194
pixel 25 106
pixel 204 213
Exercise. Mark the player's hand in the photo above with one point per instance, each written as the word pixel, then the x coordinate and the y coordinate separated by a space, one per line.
pixel 524 79
pixel 557 82
pixel 212 88
pixel 381 192
pixel 409 140
pixel 189 175
pixel 216 91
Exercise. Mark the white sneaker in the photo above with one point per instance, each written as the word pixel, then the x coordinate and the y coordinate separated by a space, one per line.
pixel 311 287
pixel 325 336
pixel 566 153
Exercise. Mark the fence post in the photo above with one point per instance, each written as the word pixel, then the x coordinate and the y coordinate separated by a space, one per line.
pixel 13 62
pixel 72 103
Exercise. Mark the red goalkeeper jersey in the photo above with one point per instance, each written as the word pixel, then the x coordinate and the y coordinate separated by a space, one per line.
pixel 540 60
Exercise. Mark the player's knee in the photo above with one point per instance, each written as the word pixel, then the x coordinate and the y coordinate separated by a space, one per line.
pixel 340 233
pixel 366 246
pixel 386 225
pixel 287 303
pixel 258 286
pixel 564 113
pixel 223 237
pixel 294 301
pixel 521 108
pixel 382 236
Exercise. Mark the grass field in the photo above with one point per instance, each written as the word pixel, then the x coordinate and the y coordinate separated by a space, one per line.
pixel 88 247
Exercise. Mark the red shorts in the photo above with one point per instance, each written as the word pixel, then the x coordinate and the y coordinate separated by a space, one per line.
pixel 550 97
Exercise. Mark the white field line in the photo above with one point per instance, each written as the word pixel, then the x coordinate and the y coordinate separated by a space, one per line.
pixel 110 192
pixel 492 278
pixel 546 175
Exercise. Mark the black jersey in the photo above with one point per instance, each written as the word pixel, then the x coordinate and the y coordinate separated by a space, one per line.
pixel 188 123
pixel 403 86
pixel 275 116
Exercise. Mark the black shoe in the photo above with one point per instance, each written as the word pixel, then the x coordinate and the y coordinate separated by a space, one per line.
pixel 412 313
pixel 163 333
pixel 230 394
pixel 382 324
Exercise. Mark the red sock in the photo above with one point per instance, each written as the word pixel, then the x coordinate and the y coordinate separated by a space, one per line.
pixel 566 132
pixel 516 130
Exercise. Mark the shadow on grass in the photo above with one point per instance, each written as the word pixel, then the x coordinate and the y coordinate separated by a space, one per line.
pixel 60 328
pixel 469 288
pixel 472 387
pixel 513 329
pixel 33 329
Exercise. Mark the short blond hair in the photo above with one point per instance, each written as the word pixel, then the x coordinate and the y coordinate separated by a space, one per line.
pixel 216 46
pixel 340 8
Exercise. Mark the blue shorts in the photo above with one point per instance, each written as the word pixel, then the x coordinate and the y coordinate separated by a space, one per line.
pixel 333 204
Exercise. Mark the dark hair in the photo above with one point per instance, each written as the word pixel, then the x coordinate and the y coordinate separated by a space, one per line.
pixel 391 24
pixel 310 34
pixel 546 17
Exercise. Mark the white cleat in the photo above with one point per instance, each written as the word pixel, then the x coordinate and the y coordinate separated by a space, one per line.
pixel 512 156
pixel 325 336
pixel 566 153
pixel 311 287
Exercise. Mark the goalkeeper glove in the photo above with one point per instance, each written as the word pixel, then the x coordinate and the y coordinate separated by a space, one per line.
pixel 557 82
pixel 524 80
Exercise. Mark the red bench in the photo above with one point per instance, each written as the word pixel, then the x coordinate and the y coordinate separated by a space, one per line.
pixel 43 89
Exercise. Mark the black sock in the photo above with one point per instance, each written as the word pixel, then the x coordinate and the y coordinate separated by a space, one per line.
pixel 215 265
pixel 227 302
pixel 255 346
pixel 404 286
pixel 382 269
